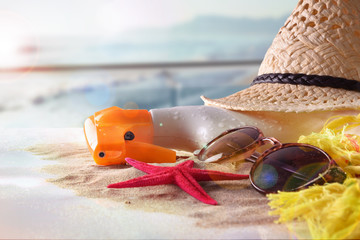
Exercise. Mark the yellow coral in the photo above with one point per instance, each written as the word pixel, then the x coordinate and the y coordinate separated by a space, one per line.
pixel 331 211
pixel 342 147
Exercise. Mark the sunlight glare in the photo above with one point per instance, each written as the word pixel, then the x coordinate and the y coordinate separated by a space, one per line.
pixel 14 38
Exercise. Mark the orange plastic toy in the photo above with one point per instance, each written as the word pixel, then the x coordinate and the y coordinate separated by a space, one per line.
pixel 114 133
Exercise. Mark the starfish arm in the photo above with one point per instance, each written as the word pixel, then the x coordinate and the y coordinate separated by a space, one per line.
pixel 147 180
pixel 187 183
pixel 188 163
pixel 145 167
pixel 210 175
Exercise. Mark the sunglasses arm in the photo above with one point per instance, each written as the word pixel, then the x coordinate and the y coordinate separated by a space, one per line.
pixel 253 157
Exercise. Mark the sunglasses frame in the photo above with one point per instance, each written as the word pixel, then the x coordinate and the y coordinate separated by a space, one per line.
pixel 333 173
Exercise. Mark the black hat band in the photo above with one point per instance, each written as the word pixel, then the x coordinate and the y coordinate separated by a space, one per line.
pixel 308 80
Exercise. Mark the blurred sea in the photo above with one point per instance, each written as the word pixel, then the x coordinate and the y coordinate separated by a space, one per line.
pixel 65 98
pixel 205 38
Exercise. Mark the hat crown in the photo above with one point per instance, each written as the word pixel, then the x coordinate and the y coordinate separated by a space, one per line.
pixel 319 38
pixel 313 63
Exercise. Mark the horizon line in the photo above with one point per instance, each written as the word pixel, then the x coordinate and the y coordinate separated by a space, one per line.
pixel 140 65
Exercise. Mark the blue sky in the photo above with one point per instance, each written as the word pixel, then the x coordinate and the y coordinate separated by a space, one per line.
pixel 88 17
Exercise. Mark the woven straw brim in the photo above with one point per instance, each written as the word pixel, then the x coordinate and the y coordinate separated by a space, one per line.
pixel 288 98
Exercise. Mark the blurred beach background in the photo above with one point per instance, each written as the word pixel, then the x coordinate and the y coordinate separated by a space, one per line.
pixel 61 61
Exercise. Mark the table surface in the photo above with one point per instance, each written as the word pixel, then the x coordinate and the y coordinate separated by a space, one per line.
pixel 31 207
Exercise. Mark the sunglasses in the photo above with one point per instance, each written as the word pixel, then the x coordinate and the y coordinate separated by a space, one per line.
pixel 283 167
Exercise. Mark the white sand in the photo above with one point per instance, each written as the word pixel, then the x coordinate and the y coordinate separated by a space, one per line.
pixel 239 204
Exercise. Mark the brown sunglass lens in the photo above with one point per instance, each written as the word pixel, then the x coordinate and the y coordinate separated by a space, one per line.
pixel 235 142
pixel 288 168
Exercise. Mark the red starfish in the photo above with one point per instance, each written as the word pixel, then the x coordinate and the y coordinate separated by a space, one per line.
pixel 183 175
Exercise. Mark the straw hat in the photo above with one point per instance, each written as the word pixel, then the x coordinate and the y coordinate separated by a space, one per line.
pixel 313 63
